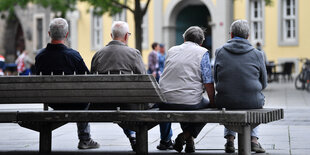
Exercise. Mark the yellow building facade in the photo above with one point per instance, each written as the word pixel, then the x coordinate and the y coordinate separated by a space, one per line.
pixel 160 24
pixel 277 18
pixel 280 27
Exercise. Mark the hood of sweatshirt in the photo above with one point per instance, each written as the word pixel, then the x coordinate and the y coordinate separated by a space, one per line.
pixel 238 46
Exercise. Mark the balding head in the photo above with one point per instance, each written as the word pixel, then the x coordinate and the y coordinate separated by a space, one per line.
pixel 58 29
pixel 119 29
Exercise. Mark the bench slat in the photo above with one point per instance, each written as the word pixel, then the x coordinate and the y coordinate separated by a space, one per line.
pixel 76 78
pixel 87 99
pixel 132 116
pixel 74 85
pixel 209 115
pixel 79 93
pixel 8 116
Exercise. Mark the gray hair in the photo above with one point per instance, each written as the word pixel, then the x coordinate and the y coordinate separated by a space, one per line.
pixel 240 28
pixel 194 34
pixel 58 29
pixel 119 29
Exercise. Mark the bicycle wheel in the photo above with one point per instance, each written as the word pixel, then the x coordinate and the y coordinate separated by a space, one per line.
pixel 299 84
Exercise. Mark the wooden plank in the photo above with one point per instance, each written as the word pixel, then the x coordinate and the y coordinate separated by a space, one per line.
pixel 132 116
pixel 75 78
pixel 264 115
pixel 79 85
pixel 8 116
pixel 157 89
pixel 80 93
pixel 88 99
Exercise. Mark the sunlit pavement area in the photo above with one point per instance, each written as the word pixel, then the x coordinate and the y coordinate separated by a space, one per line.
pixel 286 137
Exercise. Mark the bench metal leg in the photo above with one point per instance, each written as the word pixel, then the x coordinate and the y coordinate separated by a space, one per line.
pixel 141 137
pixel 45 106
pixel 46 138
pixel 244 141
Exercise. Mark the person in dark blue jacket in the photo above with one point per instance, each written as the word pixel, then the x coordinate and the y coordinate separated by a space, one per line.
pixel 58 59
pixel 240 76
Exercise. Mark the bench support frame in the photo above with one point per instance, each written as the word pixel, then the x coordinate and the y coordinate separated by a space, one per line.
pixel 45 129
pixel 244 140
pixel 142 140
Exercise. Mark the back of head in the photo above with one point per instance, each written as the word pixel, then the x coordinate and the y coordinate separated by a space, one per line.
pixel 194 34
pixel 240 28
pixel 58 29
pixel 154 45
pixel 119 29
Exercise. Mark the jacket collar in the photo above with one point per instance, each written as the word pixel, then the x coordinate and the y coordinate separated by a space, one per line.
pixel 116 42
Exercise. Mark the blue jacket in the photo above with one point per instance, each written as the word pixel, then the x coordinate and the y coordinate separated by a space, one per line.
pixel 58 58
pixel 240 76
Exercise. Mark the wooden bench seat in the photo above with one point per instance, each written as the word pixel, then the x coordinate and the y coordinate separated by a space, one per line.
pixel 111 89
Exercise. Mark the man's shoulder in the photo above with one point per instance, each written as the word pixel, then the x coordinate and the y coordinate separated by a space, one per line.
pixel 72 53
pixel 40 52
pixel 133 50
pixel 119 48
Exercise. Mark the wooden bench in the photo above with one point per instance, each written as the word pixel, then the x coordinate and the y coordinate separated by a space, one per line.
pixel 111 89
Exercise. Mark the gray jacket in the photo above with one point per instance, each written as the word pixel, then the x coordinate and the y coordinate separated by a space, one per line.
pixel 240 76
pixel 116 57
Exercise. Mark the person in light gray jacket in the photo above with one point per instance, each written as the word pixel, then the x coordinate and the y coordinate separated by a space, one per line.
pixel 240 76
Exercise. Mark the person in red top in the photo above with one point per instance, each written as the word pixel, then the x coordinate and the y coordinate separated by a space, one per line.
pixel 2 65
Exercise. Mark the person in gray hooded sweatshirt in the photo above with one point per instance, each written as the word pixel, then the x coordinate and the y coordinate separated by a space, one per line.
pixel 240 76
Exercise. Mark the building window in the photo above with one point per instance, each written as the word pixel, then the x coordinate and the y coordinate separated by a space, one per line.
pixel 121 16
pixel 257 21
pixel 68 41
pixel 289 20
pixel 96 28
pixel 39 31
pixel 289 23
pixel 145 31
pixel 72 18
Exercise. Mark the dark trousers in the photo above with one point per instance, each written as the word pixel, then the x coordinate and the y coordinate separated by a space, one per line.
pixel 193 128
pixel 83 127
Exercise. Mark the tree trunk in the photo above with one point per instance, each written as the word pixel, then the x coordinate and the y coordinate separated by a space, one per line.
pixel 138 22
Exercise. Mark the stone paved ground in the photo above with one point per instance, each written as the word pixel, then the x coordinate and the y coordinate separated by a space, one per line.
pixel 286 137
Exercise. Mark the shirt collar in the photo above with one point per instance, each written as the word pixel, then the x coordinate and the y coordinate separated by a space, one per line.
pixel 237 38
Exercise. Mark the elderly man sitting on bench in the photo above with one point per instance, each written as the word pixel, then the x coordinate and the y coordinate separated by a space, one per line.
pixel 240 76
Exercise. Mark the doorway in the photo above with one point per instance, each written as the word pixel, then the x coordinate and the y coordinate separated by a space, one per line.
pixel 194 15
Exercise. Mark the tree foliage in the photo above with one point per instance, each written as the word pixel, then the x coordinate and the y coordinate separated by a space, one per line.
pixel 57 6
pixel 60 7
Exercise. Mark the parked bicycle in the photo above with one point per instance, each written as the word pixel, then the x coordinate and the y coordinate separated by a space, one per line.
pixel 303 79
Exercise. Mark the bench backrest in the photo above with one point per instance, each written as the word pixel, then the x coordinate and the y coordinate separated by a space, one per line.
pixel 80 89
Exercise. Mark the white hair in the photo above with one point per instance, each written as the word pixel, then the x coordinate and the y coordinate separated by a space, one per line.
pixel 58 29
pixel 194 34
pixel 119 29
pixel 240 28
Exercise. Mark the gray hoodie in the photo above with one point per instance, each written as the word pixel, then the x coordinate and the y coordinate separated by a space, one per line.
pixel 240 76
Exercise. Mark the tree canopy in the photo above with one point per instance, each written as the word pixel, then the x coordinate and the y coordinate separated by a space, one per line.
pixel 60 7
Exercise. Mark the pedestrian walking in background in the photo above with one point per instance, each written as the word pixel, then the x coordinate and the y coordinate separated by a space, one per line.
pixel 153 61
